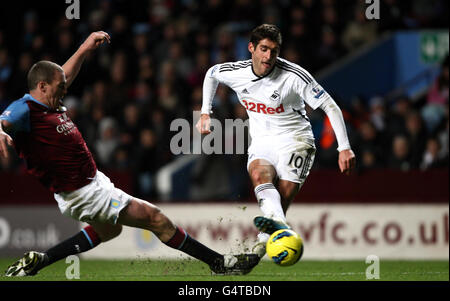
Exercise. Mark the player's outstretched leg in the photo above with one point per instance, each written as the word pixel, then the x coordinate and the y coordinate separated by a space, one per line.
pixel 274 216
pixel 144 215
pixel 269 201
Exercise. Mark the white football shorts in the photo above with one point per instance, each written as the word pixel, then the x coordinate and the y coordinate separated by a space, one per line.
pixel 291 157
pixel 99 201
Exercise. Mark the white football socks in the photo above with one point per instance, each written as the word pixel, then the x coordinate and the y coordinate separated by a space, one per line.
pixel 269 201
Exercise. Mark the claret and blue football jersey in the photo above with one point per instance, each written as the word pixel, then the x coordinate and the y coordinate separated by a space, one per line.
pixel 51 144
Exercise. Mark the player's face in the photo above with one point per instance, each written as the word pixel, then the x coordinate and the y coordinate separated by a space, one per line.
pixel 56 90
pixel 264 56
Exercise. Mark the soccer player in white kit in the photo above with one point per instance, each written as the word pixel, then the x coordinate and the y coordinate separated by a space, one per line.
pixel 274 92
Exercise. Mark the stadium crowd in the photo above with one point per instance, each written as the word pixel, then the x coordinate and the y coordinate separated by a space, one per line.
pixel 128 92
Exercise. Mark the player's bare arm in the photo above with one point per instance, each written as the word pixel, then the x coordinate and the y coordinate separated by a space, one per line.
pixel 5 139
pixel 73 64
pixel 203 124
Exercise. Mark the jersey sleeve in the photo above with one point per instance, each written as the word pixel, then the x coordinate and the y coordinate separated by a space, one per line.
pixel 18 114
pixel 311 92
pixel 210 83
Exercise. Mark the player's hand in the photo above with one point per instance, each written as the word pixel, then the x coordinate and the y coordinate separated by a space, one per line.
pixel 204 124
pixel 347 161
pixel 95 39
pixel 5 140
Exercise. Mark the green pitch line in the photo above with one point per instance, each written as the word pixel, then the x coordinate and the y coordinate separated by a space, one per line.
pixel 192 270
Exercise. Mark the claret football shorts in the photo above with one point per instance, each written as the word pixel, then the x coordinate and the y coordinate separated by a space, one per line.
pixel 99 201
pixel 291 157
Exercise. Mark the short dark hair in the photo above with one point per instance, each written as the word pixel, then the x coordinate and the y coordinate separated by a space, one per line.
pixel 265 31
pixel 42 71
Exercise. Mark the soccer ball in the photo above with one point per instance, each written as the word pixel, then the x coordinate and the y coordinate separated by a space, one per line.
pixel 284 247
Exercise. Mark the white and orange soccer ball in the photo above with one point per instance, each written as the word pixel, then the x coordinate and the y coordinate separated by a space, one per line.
pixel 284 247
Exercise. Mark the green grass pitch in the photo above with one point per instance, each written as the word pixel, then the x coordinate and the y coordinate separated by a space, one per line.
pixel 193 270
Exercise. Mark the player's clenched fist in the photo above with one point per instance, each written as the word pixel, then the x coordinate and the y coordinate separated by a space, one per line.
pixel 203 124
pixel 95 39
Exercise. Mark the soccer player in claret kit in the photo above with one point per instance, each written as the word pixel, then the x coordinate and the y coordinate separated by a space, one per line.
pixel 57 155
pixel 274 92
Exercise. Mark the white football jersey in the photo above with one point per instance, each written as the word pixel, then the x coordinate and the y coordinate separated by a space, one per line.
pixel 275 102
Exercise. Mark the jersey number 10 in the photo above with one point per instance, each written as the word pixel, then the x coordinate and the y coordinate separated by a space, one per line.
pixel 298 162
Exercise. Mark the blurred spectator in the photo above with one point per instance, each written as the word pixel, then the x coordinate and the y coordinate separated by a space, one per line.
pixel 433 115
pixel 201 40
pixel 223 47
pixel 211 12
pixel 396 116
pixel 442 133
pixel 392 12
pixel 131 125
pixel 425 12
pixel 378 113
pixel 359 31
pixel 329 49
pixel 18 84
pixel 72 105
pixel 270 10
pixel 140 40
pixel 5 66
pixel 161 50
pixel 299 40
pixel 170 100
pixel 146 69
pixel 434 110
pixel 107 143
pixel 370 146
pixel 118 89
pixel 202 64
pixel 359 112
pixel 30 28
pixel 432 156
pixel 100 96
pixel 146 162
pixel 182 63
pixel 416 135
pixel 368 159
pixel 120 32
pixel 38 48
pixel 330 18
pixel 290 53
pixel 65 46
pixel 121 159
pixel 143 94
pixel 97 19
pixel 400 156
